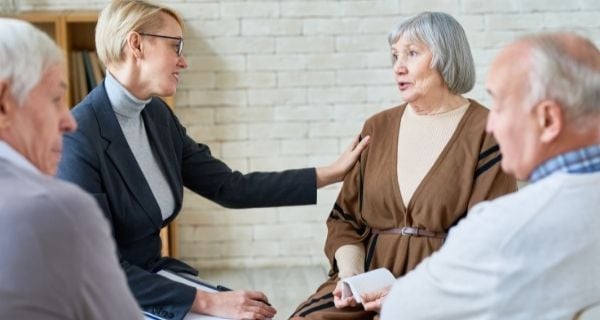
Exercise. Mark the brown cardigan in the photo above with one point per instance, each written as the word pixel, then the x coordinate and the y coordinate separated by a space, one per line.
pixel 466 172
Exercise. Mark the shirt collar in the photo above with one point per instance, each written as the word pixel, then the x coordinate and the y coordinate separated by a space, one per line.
pixel 584 160
pixel 9 153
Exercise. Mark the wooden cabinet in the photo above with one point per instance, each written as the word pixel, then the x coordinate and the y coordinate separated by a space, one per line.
pixel 74 31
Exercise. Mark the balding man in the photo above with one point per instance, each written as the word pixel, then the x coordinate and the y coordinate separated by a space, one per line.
pixel 58 260
pixel 534 254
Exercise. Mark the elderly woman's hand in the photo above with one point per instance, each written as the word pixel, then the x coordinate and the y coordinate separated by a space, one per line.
pixel 340 302
pixel 372 301
pixel 336 171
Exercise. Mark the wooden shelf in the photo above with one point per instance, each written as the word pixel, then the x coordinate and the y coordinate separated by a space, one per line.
pixel 75 30
pixel 81 16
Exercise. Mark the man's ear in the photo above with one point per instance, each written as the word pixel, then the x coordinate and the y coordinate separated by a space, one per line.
pixel 7 104
pixel 551 120
pixel 134 43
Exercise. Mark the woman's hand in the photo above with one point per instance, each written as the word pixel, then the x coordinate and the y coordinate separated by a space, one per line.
pixel 338 301
pixel 336 171
pixel 372 301
pixel 234 304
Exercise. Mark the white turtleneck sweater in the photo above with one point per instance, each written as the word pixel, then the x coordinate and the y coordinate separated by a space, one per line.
pixel 128 110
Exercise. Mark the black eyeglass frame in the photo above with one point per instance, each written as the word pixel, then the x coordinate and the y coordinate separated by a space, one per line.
pixel 179 44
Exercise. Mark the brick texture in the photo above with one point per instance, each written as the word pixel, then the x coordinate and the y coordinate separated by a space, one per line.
pixel 276 84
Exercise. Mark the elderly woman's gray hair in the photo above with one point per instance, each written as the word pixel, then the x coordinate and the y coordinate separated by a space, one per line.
pixel 446 39
pixel 26 53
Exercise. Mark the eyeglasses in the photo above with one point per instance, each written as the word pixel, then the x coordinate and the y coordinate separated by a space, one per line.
pixel 179 41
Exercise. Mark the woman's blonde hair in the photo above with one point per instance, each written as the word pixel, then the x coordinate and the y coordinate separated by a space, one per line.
pixel 121 17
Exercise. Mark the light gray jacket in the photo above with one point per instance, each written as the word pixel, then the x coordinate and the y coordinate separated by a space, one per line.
pixel 57 258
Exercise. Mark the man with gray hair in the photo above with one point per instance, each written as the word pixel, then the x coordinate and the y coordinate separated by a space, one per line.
pixel 535 253
pixel 58 259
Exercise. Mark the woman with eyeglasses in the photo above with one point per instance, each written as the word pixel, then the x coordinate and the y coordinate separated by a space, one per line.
pixel 132 154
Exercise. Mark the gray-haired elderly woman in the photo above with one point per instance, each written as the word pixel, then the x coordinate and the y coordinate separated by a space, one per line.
pixel 428 162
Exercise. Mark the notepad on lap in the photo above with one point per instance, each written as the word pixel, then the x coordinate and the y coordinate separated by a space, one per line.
pixel 366 282
pixel 193 283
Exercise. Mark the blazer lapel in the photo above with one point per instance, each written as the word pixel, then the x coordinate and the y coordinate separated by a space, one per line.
pixel 164 149
pixel 120 154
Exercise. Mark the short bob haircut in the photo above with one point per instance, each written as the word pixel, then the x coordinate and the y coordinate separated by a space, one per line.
pixel 26 54
pixel 120 18
pixel 448 43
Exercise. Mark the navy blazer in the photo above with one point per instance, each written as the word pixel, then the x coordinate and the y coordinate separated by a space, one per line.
pixel 97 157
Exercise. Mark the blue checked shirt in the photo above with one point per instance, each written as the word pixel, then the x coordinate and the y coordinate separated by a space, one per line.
pixel 579 161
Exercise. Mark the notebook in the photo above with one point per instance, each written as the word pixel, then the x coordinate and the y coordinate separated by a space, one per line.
pixel 367 282
pixel 192 282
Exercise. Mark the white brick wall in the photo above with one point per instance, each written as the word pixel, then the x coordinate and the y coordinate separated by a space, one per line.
pixel 279 84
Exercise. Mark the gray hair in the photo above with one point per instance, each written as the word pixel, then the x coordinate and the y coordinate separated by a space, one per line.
pixel 26 53
pixel 558 75
pixel 446 39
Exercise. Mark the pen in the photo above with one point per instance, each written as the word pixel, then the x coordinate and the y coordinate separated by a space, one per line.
pixel 223 289
pixel 151 316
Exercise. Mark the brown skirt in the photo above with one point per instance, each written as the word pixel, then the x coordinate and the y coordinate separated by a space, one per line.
pixel 397 253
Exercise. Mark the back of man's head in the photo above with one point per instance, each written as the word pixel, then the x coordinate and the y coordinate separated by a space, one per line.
pixel 546 99
pixel 565 68
pixel 25 54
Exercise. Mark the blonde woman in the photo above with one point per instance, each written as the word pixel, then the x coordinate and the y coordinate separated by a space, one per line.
pixel 133 155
